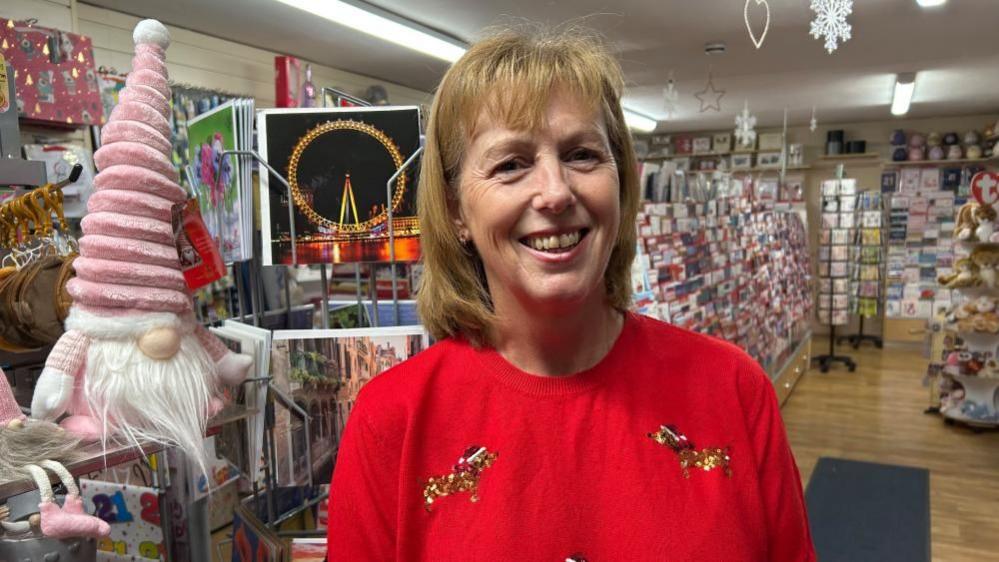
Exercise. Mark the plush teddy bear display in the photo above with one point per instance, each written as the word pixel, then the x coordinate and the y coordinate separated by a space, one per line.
pixel 978 315
pixel 965 274
pixel 976 223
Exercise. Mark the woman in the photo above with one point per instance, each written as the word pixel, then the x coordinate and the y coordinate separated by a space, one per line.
pixel 549 424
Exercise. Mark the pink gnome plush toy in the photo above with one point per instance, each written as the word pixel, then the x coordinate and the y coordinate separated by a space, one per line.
pixel 133 361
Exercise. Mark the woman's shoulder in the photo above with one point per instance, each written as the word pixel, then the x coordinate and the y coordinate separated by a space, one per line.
pixel 670 344
pixel 401 387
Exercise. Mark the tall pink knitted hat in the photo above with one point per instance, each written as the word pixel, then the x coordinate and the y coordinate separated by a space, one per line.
pixel 9 410
pixel 128 258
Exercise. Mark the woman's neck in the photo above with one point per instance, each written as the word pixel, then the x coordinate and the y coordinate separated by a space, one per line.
pixel 557 344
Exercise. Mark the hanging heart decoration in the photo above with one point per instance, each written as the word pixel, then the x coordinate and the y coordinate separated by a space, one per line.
pixel 985 187
pixel 766 22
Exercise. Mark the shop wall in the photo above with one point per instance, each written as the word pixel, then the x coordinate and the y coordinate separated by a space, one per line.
pixel 868 175
pixel 193 58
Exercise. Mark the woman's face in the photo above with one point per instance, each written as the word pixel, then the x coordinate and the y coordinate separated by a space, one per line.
pixel 542 207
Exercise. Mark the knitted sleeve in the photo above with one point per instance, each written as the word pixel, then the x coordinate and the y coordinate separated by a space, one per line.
pixel 214 346
pixel 786 519
pixel 69 353
pixel 364 492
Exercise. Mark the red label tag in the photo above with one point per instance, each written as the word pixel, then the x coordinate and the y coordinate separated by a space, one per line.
pixel 985 187
pixel 200 259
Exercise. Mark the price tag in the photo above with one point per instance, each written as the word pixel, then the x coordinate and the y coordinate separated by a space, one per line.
pixel 200 259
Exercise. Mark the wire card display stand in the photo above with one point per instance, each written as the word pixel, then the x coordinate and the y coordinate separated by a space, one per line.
pixel 867 285
pixel 275 394
pixel 838 204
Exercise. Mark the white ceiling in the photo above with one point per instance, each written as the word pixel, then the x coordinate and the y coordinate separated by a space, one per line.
pixel 955 49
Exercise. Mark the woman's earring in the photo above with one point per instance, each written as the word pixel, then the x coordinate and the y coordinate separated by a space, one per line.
pixel 463 238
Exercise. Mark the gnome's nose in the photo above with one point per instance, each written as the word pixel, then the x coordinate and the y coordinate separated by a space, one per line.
pixel 160 343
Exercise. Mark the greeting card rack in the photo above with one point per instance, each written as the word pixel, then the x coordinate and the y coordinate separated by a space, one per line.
pixel 866 285
pixel 838 214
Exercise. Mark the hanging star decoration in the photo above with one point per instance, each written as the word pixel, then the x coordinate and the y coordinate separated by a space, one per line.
pixel 814 123
pixel 709 97
pixel 464 476
pixel 745 128
pixel 688 455
pixel 670 96
pixel 830 22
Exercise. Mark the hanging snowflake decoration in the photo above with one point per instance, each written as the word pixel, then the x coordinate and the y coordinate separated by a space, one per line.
pixel 814 123
pixel 830 21
pixel 670 96
pixel 745 128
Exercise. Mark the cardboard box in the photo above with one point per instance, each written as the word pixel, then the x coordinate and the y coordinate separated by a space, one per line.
pixel 702 145
pixel 771 141
pixel 722 142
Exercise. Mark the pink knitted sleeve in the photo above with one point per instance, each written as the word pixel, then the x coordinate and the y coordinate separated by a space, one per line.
pixel 69 353
pixel 214 346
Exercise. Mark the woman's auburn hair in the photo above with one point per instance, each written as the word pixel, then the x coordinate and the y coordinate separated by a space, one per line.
pixel 512 74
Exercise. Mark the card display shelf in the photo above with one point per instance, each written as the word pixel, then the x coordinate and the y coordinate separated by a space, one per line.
pixel 838 157
pixel 98 458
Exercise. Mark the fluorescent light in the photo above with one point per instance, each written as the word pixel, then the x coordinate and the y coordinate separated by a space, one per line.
pixel 391 29
pixel 905 85
pixel 638 121
pixel 930 3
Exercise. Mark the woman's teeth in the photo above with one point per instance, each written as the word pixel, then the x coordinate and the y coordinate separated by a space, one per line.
pixel 553 242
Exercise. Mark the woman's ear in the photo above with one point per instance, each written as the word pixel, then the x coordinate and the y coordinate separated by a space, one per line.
pixel 464 236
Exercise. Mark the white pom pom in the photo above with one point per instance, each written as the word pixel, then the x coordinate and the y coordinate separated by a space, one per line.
pixel 151 31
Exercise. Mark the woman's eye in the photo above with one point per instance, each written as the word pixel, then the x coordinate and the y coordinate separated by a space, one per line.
pixel 582 155
pixel 509 166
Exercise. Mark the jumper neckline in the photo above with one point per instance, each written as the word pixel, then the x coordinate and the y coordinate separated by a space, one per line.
pixel 543 385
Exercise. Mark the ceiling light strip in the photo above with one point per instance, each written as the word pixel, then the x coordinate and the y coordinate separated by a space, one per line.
pixel 381 26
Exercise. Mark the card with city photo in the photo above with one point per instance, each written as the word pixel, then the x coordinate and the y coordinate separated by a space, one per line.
pixel 338 162
pixel 322 371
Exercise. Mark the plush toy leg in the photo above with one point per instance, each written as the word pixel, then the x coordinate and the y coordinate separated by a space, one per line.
pixel 70 520
pixel 84 427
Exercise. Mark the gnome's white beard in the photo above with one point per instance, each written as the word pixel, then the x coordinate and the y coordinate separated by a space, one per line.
pixel 141 398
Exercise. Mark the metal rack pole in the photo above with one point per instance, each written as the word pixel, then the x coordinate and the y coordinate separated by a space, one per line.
pixel 391 228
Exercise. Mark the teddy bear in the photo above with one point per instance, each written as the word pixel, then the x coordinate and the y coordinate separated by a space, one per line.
pixel 987 322
pixel 975 222
pixel 986 259
pixel 991 369
pixel 965 274
pixel 966 223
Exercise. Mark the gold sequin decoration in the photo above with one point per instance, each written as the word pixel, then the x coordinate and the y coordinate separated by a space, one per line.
pixel 464 476
pixel 705 459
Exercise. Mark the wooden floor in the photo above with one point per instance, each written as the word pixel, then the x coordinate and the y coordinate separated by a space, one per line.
pixel 876 414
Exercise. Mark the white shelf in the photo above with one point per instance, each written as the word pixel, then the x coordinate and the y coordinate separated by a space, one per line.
pixel 960 161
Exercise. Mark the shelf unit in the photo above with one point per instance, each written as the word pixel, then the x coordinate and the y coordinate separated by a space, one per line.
pixel 99 459
pixel 979 407
pixel 955 162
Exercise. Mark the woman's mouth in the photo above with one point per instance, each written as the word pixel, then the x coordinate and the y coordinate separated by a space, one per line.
pixel 555 243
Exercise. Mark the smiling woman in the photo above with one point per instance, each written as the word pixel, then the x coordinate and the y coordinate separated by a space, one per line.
pixel 561 426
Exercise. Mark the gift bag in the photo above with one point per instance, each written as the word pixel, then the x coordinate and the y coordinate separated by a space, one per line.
pixel 54 73
pixel 133 512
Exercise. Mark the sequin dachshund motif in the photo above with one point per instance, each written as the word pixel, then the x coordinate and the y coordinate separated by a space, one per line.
pixel 464 476
pixel 705 459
